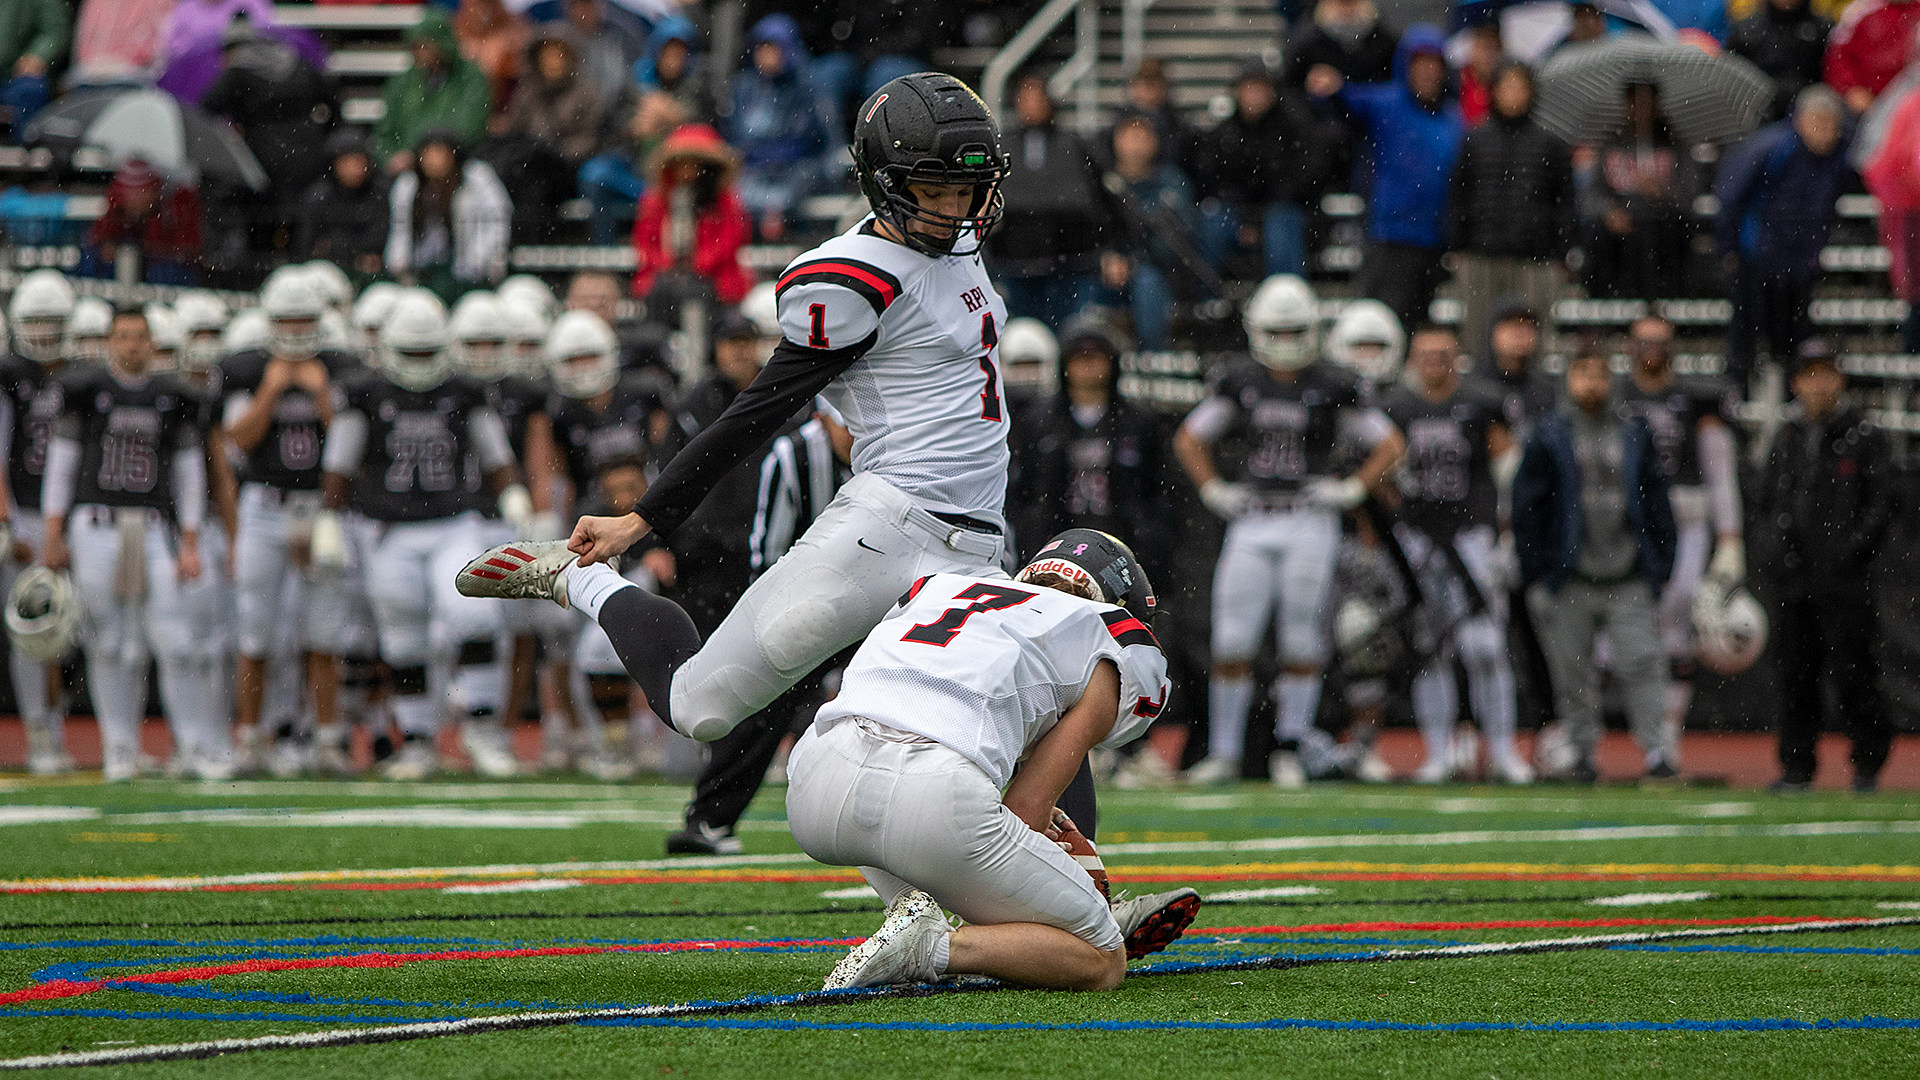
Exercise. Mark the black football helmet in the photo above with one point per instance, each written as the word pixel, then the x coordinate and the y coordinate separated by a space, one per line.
pixel 929 127
pixel 1100 563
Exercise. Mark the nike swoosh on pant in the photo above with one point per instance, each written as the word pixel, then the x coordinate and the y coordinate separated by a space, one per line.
pixel 863 543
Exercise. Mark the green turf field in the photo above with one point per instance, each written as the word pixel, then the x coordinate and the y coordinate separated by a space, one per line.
pixel 533 930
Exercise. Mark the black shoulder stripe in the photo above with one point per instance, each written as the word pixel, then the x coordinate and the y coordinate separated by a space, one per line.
pixel 878 287
pixel 1128 630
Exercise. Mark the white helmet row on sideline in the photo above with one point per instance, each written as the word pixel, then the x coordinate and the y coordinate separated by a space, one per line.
pixel 583 355
pixel 1368 340
pixel 168 334
pixel 293 303
pixel 39 309
pixel 87 329
pixel 332 282
pixel 370 313
pixel 247 330
pixel 478 332
pixel 1282 320
pixel 203 317
pixel 761 306
pixel 413 342
pixel 526 338
pixel 530 290
pixel 1030 354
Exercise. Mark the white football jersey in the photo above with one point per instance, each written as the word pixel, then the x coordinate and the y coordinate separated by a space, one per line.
pixel 924 400
pixel 986 667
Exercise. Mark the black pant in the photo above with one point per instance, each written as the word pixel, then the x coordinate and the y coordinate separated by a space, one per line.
pixel 1769 308
pixel 1401 276
pixel 1832 633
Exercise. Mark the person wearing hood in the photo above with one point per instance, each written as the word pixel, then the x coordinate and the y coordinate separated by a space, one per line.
pixel 494 38
pixel 1868 47
pixel 1345 35
pixel 674 65
pixel 284 108
pixel 693 159
pixel 1787 40
pixel 161 220
pixel 450 219
pixel 553 103
pixel 1416 130
pixel 1512 209
pixel 1262 169
pixel 344 215
pixel 779 121
pixel 1891 172
pixel 195 24
pixel 440 91
pixel 1777 193
pixel 609 46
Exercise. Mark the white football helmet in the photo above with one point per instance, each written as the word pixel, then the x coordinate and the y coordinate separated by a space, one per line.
pixel 1030 355
pixel 478 329
pixel 43 614
pixel 1282 319
pixel 413 342
pixel 203 316
pixel 526 338
pixel 1729 625
pixel 762 308
pixel 169 336
pixel 335 335
pixel 583 355
pixel 1368 340
pixel 247 330
pixel 87 329
pixel 332 282
pixel 39 309
pixel 293 302
pixel 370 313
pixel 530 290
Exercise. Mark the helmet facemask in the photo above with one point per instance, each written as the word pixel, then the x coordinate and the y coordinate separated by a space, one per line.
pixel 889 191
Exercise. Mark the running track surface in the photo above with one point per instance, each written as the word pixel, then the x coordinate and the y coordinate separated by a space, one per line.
pixel 1743 759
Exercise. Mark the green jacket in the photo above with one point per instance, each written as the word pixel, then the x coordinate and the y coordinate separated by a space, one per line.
pixel 459 103
pixel 40 27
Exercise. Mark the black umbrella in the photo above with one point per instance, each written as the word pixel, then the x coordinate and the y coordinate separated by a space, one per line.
pixel 1707 98
pixel 139 122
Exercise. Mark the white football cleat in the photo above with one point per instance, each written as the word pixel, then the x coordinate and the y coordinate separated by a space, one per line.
pixel 1437 769
pixel 1509 769
pixel 1145 769
pixel 521 570
pixel 1285 770
pixel 901 951
pixel 489 747
pixel 1372 768
pixel 332 755
pixel 415 761
pixel 1208 772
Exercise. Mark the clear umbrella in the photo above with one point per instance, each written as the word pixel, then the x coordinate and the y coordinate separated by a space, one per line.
pixel 1706 98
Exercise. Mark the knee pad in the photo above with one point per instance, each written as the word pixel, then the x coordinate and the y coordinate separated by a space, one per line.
pixel 803 622
pixel 410 679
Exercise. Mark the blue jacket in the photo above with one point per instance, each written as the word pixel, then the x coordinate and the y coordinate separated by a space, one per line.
pixel 1414 149
pixel 780 121
pixel 1548 520
pixel 671 28
pixel 1777 200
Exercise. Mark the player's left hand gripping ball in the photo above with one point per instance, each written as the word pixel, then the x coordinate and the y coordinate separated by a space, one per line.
pixel 1076 844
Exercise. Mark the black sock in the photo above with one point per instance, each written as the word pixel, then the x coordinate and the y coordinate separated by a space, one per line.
pixel 653 636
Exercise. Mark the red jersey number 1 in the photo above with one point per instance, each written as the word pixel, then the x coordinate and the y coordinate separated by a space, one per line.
pixel 989 397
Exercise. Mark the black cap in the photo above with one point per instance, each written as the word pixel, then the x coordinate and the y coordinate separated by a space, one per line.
pixel 1508 308
pixel 1255 67
pixel 732 326
pixel 1813 353
pixel 1090 333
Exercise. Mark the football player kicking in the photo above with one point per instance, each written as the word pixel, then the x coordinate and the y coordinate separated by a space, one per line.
pixel 909 775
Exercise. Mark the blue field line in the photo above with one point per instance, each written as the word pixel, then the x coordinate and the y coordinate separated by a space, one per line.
pixel 1804 950
pixel 1865 1023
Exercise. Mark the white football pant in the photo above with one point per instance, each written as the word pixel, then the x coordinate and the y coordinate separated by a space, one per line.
pixel 426 627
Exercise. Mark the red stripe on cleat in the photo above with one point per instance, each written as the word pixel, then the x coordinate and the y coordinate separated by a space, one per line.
pixel 502 564
pixel 488 574
pixel 517 553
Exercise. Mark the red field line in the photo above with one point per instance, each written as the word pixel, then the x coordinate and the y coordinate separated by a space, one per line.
pixel 1511 924
pixel 1120 874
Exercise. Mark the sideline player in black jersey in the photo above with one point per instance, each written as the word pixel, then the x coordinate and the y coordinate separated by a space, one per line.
pixel 411 446
pixel 1449 517
pixel 40 309
pixel 125 494
pixel 1262 449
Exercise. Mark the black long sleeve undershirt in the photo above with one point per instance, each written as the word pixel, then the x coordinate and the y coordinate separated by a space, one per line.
pixel 791 378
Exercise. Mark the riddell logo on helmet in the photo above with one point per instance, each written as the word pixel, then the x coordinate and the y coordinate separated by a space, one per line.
pixel 1061 567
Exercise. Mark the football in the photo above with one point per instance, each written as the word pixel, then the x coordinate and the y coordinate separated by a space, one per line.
pixel 1083 852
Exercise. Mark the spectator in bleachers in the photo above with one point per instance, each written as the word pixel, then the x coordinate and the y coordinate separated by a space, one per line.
pixel 779 121
pixel 344 215
pixel 1787 40
pixel 1262 168
pixel 693 159
pixel 439 91
pixel 1416 131
pixel 284 109
pixel 1594 533
pixel 159 220
pixel 675 67
pixel 1485 58
pixel 608 47
pixel 1869 46
pixel 875 42
pixel 1512 209
pixel 450 221
pixel 1892 174
pixel 1156 201
pixel 1046 249
pixel 1635 195
pixel 1827 486
pixel 553 102
pixel 1777 192
pixel 33 37
pixel 1707 16
pixel 1150 93
pixel 198 24
pixel 1345 35
pixel 612 182
pixel 494 39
